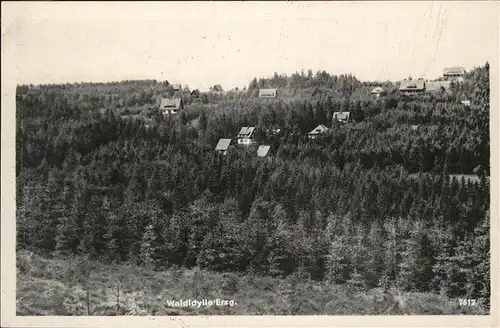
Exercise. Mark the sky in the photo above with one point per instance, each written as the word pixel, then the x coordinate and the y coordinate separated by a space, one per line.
pixel 200 44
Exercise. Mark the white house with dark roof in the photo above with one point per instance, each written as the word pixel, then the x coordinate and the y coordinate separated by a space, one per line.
pixel 342 117
pixel 268 93
pixel 171 106
pixel 246 134
pixel 263 150
pixel 454 73
pixel 320 129
pixel 223 145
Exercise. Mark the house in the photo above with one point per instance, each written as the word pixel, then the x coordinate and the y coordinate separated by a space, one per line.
pixel 223 145
pixel 377 92
pixel 320 129
pixel 275 131
pixel 268 93
pixel 454 73
pixel 176 87
pixel 171 106
pixel 342 117
pixel 412 87
pixel 245 136
pixel 195 93
pixel 466 102
pixel 262 151
pixel 434 86
pixel 217 88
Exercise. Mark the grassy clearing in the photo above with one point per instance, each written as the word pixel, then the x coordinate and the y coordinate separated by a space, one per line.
pixel 57 287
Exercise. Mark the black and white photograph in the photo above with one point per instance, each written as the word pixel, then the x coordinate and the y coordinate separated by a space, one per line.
pixel 250 158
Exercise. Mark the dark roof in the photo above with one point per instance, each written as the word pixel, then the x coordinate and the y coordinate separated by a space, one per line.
pixel 175 103
pixel 268 92
pixel 411 85
pixel 246 131
pixel 223 144
pixel 453 70
pixel 262 151
pixel 217 87
pixel 195 93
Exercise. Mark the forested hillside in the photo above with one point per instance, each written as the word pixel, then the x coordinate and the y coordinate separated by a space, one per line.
pixel 373 203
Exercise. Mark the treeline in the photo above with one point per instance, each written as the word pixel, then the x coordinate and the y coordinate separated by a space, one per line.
pixel 343 208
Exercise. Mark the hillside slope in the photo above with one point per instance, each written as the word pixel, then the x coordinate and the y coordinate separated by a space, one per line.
pixel 58 287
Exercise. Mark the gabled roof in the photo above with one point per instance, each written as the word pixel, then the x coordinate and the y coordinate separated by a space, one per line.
pixel 341 115
pixel 377 90
pixel 217 87
pixel 262 151
pixel 195 93
pixel 454 70
pixel 176 86
pixel 223 144
pixel 246 131
pixel 411 85
pixel 319 129
pixel 175 103
pixel 268 92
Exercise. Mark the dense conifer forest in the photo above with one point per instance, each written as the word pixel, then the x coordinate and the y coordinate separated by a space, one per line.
pixel 384 201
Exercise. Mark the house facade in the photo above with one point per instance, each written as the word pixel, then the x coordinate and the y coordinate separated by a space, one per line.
pixel 412 87
pixel 176 87
pixel 317 131
pixel 246 135
pixel 377 92
pixel 268 93
pixel 171 106
pixel 454 73
pixel 342 117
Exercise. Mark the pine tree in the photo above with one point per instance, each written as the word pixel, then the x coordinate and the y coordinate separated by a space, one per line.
pixel 148 251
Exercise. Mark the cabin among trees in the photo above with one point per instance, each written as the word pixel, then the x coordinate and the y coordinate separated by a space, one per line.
pixel 246 135
pixel 176 87
pixel 216 88
pixel 223 146
pixel 171 106
pixel 263 150
pixel 412 87
pixel 268 93
pixel 342 117
pixel 454 73
pixel 317 131
pixel 195 94
pixel 378 92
